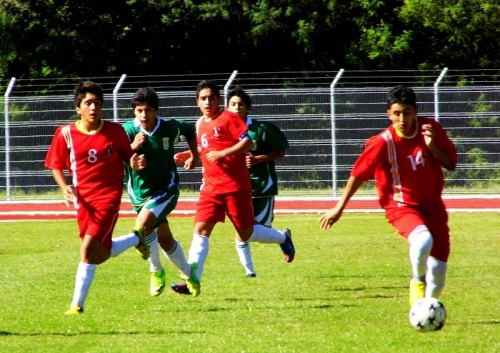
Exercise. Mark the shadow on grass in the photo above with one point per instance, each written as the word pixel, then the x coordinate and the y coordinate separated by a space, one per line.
pixel 92 333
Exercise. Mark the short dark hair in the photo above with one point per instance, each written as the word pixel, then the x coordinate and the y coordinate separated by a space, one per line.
pixel 145 95
pixel 87 87
pixel 401 95
pixel 238 92
pixel 207 84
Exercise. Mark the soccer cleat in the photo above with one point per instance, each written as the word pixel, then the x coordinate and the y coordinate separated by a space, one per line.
pixel 180 288
pixel 157 283
pixel 74 310
pixel 287 247
pixel 191 285
pixel 417 291
pixel 143 247
pixel 251 275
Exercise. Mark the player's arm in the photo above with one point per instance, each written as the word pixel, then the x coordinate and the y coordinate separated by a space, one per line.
pixel 139 139
pixel 193 156
pixel 66 189
pixel 333 215
pixel 138 162
pixel 264 158
pixel 244 145
pixel 441 154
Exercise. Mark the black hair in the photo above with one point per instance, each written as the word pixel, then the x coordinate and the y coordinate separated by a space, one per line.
pixel 145 95
pixel 238 92
pixel 87 87
pixel 401 95
pixel 207 84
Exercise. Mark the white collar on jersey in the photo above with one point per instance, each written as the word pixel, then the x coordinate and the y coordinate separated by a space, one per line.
pixel 137 123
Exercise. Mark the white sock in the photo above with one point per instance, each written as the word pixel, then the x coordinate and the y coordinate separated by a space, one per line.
pixel 436 277
pixel 420 240
pixel 120 244
pixel 154 256
pixel 198 252
pixel 243 251
pixel 84 277
pixel 177 257
pixel 263 234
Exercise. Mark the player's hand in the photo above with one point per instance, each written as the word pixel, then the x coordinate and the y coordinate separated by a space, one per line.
pixel 138 162
pixel 191 162
pixel 329 218
pixel 251 160
pixel 429 134
pixel 182 157
pixel 214 156
pixel 68 194
pixel 139 139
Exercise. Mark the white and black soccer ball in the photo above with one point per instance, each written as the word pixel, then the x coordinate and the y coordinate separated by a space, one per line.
pixel 428 314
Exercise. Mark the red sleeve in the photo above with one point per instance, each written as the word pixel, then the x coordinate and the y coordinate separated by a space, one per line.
pixel 58 153
pixel 124 148
pixel 370 158
pixel 444 142
pixel 234 125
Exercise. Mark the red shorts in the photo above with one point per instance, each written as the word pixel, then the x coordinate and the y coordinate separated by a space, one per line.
pixel 434 216
pixel 98 222
pixel 212 208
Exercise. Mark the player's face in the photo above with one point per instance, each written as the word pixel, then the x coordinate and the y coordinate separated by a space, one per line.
pixel 237 105
pixel 403 117
pixel 146 115
pixel 90 111
pixel 208 102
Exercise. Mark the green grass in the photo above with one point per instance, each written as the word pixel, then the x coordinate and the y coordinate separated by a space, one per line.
pixel 346 291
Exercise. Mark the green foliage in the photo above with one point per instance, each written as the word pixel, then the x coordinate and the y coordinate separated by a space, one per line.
pixel 40 38
pixel 346 291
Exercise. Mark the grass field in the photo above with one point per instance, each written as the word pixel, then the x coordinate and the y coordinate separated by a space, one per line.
pixel 346 291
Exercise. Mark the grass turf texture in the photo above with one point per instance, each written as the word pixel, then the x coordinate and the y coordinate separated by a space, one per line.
pixel 346 291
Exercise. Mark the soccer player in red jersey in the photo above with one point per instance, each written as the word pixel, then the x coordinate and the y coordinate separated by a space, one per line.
pixel 94 151
pixel 406 162
pixel 223 140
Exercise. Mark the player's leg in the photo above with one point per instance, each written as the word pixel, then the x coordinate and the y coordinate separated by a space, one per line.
pixel 437 221
pixel 239 210
pixel 150 216
pixel 208 213
pixel 436 277
pixel 96 228
pixel 263 212
pixel 172 248
pixel 420 245
pixel 409 223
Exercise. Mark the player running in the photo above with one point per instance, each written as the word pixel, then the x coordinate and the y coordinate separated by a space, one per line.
pixel 406 161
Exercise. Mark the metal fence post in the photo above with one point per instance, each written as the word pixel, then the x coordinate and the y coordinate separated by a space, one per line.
pixel 436 93
pixel 115 97
pixel 227 85
pixel 7 138
pixel 332 120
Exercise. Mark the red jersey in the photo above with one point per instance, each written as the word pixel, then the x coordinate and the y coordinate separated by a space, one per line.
pixel 230 173
pixel 95 160
pixel 405 170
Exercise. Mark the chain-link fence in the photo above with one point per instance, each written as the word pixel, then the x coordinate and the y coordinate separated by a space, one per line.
pixel 327 118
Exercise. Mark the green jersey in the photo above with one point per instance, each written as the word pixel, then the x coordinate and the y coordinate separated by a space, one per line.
pixel 158 148
pixel 267 137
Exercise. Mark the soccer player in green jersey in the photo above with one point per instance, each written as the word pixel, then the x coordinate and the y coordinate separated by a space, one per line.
pixel 270 145
pixel 154 190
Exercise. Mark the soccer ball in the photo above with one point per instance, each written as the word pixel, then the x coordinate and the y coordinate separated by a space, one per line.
pixel 428 314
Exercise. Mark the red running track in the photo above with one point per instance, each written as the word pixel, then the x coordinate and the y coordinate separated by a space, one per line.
pixel 57 210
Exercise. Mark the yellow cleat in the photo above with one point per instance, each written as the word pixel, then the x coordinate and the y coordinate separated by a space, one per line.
pixel 143 247
pixel 192 282
pixel 74 310
pixel 157 283
pixel 417 291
